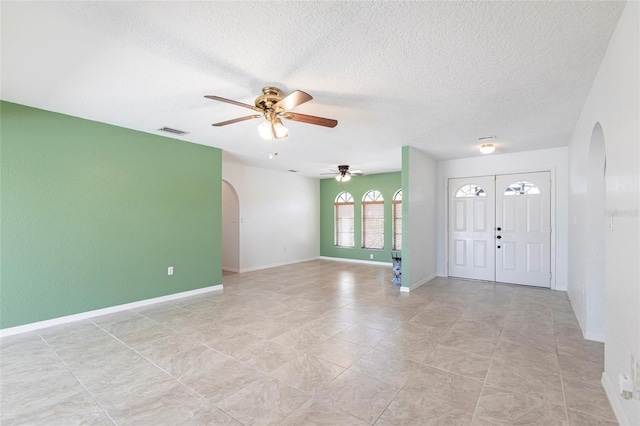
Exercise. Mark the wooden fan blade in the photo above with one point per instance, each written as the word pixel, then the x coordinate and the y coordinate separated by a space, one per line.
pixel 311 119
pixel 229 101
pixel 293 100
pixel 236 120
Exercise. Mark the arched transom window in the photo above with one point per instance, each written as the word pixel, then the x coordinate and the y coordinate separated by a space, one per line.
pixel 471 190
pixel 344 220
pixel 522 188
pixel 373 220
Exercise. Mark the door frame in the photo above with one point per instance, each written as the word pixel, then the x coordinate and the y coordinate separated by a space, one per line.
pixel 552 194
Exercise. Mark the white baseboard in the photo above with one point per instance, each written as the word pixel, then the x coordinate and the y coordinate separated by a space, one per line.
pixel 236 270
pixel 577 312
pixel 98 312
pixel 418 284
pixel 596 337
pixel 612 395
pixel 588 335
pixel 275 265
pixel 366 262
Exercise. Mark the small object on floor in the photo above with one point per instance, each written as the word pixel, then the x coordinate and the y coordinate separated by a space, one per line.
pixel 396 269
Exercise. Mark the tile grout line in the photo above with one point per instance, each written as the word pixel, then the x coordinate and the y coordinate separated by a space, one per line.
pixel 215 404
pixel 484 382
pixel 166 372
pixel 390 402
pixel 77 379
pixel 564 397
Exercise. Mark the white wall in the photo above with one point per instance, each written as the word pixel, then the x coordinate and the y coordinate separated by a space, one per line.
pixel 593 303
pixel 614 103
pixel 545 159
pixel 419 233
pixel 230 229
pixel 279 216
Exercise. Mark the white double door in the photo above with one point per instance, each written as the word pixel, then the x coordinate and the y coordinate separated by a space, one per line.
pixel 500 228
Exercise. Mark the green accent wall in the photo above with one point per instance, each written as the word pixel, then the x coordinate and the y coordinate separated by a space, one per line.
pixel 387 184
pixel 93 214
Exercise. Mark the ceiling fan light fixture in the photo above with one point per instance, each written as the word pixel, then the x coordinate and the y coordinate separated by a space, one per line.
pixel 487 148
pixel 343 177
pixel 279 129
pixel 268 130
pixel 265 130
pixel 272 107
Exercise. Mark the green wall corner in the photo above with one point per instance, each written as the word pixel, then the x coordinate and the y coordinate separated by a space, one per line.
pixel 93 214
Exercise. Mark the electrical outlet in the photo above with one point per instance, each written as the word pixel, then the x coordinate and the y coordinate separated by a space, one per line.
pixel 371 256
pixel 170 270
pixel 626 386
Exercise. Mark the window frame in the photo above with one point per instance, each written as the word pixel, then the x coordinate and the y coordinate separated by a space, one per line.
pixel 372 197
pixel 396 200
pixel 343 199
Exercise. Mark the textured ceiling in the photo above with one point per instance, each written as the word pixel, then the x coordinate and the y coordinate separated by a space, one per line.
pixel 434 75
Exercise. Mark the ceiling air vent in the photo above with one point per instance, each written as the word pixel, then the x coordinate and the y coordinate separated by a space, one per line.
pixel 173 131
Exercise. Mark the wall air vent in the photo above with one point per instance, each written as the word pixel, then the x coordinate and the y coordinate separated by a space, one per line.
pixel 173 131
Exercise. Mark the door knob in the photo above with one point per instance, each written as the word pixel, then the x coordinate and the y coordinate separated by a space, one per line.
pixel 499 237
pixel 499 228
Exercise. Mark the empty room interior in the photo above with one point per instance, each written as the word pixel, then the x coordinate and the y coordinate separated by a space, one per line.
pixel 320 213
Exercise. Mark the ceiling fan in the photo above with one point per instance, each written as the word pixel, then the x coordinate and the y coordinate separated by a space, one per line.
pixel 343 173
pixel 274 108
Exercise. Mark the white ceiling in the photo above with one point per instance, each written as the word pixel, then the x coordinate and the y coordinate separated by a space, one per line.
pixel 434 75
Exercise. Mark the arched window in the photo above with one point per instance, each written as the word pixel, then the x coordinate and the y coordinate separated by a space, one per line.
pixel 471 190
pixel 397 220
pixel 373 220
pixel 344 218
pixel 522 188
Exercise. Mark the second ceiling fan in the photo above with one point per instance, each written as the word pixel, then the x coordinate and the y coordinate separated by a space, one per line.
pixel 343 174
pixel 274 108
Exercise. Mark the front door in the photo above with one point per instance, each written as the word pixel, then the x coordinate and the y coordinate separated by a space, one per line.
pixel 499 228
pixel 471 228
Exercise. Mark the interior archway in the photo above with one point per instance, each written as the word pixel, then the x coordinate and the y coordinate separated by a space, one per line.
pixel 596 202
pixel 230 228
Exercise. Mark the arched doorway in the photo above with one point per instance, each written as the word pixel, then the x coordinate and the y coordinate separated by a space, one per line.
pixel 596 202
pixel 230 228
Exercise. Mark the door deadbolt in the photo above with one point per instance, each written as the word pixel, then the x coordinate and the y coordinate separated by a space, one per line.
pixel 499 237
pixel 499 228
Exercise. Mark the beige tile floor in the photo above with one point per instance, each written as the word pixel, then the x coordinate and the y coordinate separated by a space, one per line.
pixel 321 342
